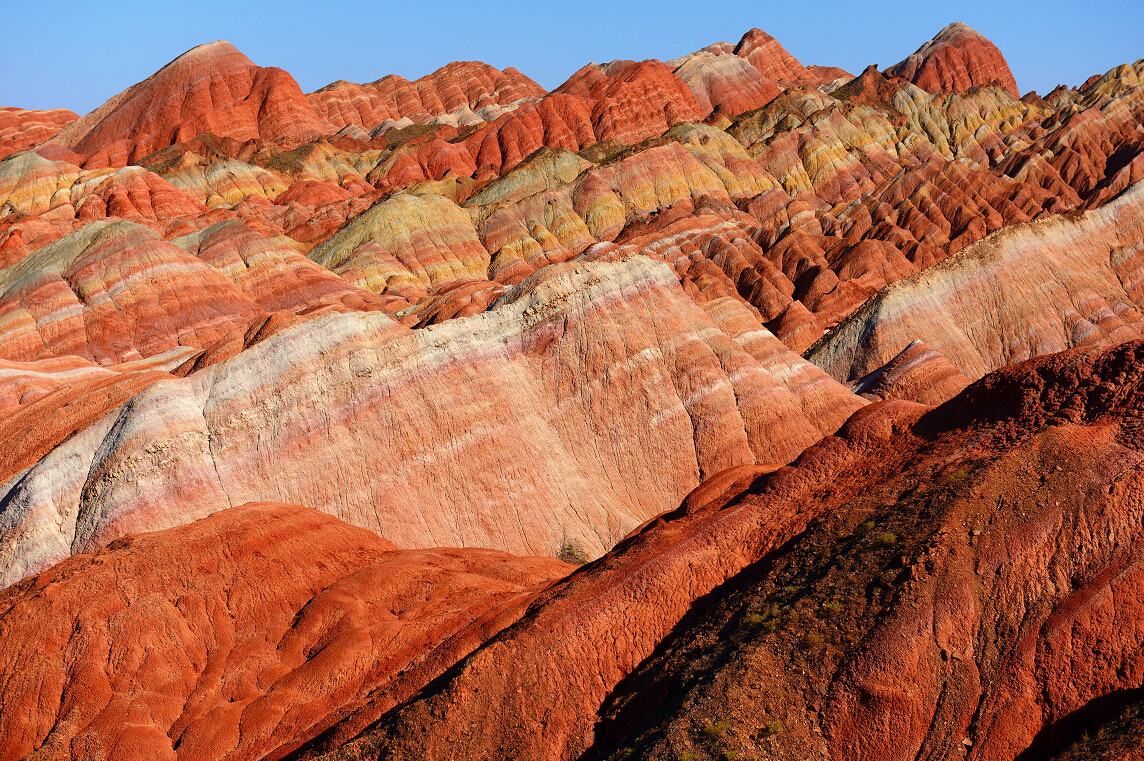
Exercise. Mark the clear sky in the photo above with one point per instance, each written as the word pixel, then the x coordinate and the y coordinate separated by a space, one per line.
pixel 78 54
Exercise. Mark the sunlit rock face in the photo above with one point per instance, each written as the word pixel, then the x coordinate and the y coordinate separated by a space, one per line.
pixel 955 60
pixel 314 405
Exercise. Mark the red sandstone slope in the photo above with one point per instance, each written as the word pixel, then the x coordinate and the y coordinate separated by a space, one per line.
pixel 464 89
pixel 21 128
pixel 956 59
pixel 211 88
pixel 633 100
pixel 584 304
pixel 929 583
pixel 115 292
pixel 348 413
pixel 725 82
pixel 771 59
pixel 239 636
pixel 921 584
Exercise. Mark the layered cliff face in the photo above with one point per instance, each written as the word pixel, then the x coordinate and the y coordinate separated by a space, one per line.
pixel 243 634
pixel 1030 289
pixel 212 88
pixel 911 585
pixel 957 59
pixel 22 128
pixel 952 582
pixel 313 405
pixel 593 397
pixel 462 93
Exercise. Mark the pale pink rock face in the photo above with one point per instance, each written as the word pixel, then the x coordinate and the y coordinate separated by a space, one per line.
pixel 1030 289
pixel 727 82
pixel 592 397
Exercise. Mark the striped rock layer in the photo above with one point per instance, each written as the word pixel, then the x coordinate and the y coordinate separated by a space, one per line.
pixel 593 397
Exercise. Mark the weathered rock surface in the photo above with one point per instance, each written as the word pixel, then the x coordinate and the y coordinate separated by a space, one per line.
pixel 115 292
pixel 917 374
pixel 463 311
pixel 271 274
pixel 22 128
pixel 1030 289
pixel 633 100
pixel 950 582
pixel 239 636
pixel 590 398
pixel 956 59
pixel 771 59
pixel 461 93
pixel 726 82
pixel 211 88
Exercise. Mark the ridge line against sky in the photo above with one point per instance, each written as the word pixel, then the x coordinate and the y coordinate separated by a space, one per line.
pixel 76 55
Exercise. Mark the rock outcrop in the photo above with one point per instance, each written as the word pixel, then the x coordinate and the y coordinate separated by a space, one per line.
pixel 592 397
pixel 725 82
pixel 239 636
pixel 771 59
pixel 945 582
pixel 633 100
pixel 462 93
pixel 461 317
pixel 23 128
pixel 1030 289
pixel 211 88
pixel 956 59
pixel 115 292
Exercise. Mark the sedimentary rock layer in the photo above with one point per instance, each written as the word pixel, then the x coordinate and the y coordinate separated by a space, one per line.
pixel 238 636
pixel 211 88
pixel 945 582
pixel 956 59
pixel 462 93
pixel 590 398
pixel 1030 289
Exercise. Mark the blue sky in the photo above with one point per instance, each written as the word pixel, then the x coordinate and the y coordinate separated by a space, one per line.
pixel 76 55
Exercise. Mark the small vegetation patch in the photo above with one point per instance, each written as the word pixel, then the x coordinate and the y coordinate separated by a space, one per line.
pixel 714 730
pixel 887 539
pixel 571 552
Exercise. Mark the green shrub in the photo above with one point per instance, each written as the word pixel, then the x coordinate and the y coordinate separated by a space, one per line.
pixel 768 619
pixel 886 539
pixel 570 552
pixel 713 730
pixel 772 728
